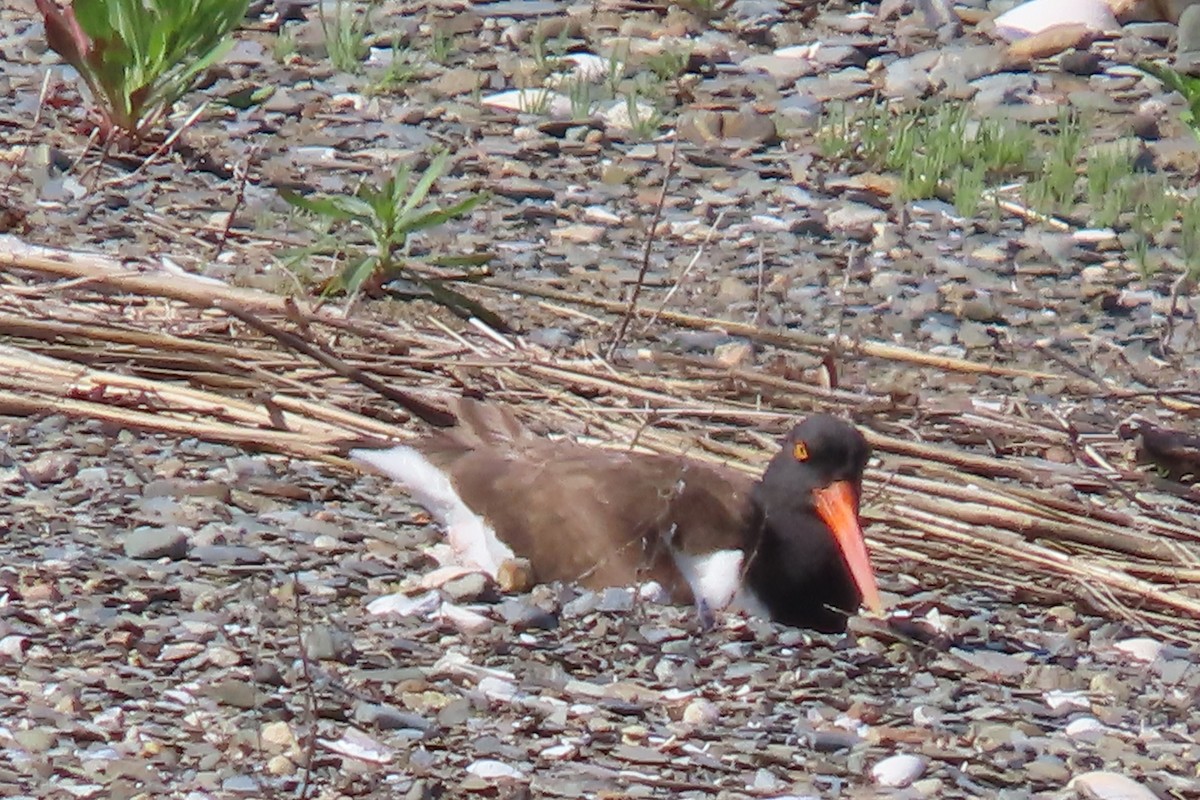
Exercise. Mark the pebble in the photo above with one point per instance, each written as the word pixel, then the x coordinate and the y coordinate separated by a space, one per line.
pixel 898 771
pixel 494 770
pixel 154 543
pixel 1102 785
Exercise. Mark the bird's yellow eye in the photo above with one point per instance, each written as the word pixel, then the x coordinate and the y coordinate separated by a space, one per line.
pixel 800 451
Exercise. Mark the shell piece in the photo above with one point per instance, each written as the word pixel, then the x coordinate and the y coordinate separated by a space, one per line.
pixel 1036 16
pixel 899 770
pixel 1109 786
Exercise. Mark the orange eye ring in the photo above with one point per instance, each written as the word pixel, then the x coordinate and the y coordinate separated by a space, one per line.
pixel 800 451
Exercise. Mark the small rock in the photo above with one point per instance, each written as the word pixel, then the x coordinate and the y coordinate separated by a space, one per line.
pixel 491 770
pixel 898 771
pixel 154 543
pixel 464 619
pixel 1036 16
pixel 701 713
pixel 389 718
pixel 473 587
pixel 1109 786
pixel 277 736
pixel 49 468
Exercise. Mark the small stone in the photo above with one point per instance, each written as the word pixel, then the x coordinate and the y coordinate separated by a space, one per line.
pixel 491 770
pixel 1101 785
pixel 277 736
pixel 280 766
pixel 154 543
pixel 389 718
pixel 701 713
pixel 898 771
pixel 50 468
pixel 465 620
pixel 473 587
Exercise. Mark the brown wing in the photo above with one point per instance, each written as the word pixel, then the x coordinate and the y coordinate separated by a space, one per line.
pixel 598 517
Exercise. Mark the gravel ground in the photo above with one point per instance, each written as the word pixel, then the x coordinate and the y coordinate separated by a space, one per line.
pixel 185 619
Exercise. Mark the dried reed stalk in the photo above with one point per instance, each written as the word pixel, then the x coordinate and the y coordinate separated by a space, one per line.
pixel 95 340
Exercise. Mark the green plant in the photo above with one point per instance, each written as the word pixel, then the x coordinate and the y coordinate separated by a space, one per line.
pixel 644 124
pixel 1108 176
pixel 968 185
pixel 1189 238
pixel 402 68
pixel 138 57
pixel 388 214
pixel 441 45
pixel 1187 85
pixel 284 46
pixel 579 91
pixel 346 37
pixel 669 64
pixel 547 53
pixel 1055 187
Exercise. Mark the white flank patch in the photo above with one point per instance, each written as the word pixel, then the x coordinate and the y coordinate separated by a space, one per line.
pixel 715 577
pixel 472 538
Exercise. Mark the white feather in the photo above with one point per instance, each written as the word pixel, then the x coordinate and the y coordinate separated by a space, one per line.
pixel 715 577
pixel 471 537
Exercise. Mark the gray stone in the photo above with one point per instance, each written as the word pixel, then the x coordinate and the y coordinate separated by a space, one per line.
pixel 151 543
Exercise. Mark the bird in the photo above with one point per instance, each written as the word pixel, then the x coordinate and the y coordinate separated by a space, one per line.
pixel 788 547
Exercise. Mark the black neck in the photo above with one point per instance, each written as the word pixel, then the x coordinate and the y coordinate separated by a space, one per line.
pixel 798 572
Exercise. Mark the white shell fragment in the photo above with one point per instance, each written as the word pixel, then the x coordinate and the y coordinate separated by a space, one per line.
pixel 356 744
pixel 1142 648
pixel 898 771
pixel 405 606
pixel 531 101
pixel 1109 786
pixel 490 769
pixel 1036 16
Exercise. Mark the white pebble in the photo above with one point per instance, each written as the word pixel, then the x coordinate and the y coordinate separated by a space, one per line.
pixel 404 606
pixel 898 771
pixel 464 619
pixel 1142 648
pixel 559 752
pixel 13 647
pixel 1085 729
pixel 490 769
pixel 1109 786
pixel 701 712
pixel 1039 15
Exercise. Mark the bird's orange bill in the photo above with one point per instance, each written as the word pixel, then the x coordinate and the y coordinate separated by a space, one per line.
pixel 838 506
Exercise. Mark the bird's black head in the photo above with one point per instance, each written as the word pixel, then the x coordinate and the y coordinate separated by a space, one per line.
pixel 819 451
pixel 812 568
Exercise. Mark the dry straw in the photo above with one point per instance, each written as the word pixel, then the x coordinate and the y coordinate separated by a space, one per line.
pixel 91 339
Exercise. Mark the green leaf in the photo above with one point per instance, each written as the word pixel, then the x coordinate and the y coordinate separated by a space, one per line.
pixel 459 303
pixel 437 168
pixel 354 275
pixel 462 260
pixel 338 207
pixel 437 216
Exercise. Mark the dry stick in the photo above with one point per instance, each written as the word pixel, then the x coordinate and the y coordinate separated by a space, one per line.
pixel 426 412
pixel 241 171
pixel 790 339
pixel 645 266
pixel 113 277
pixel 293 444
pixel 932 523
pixel 24 373
pixel 688 269
pixel 55 330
